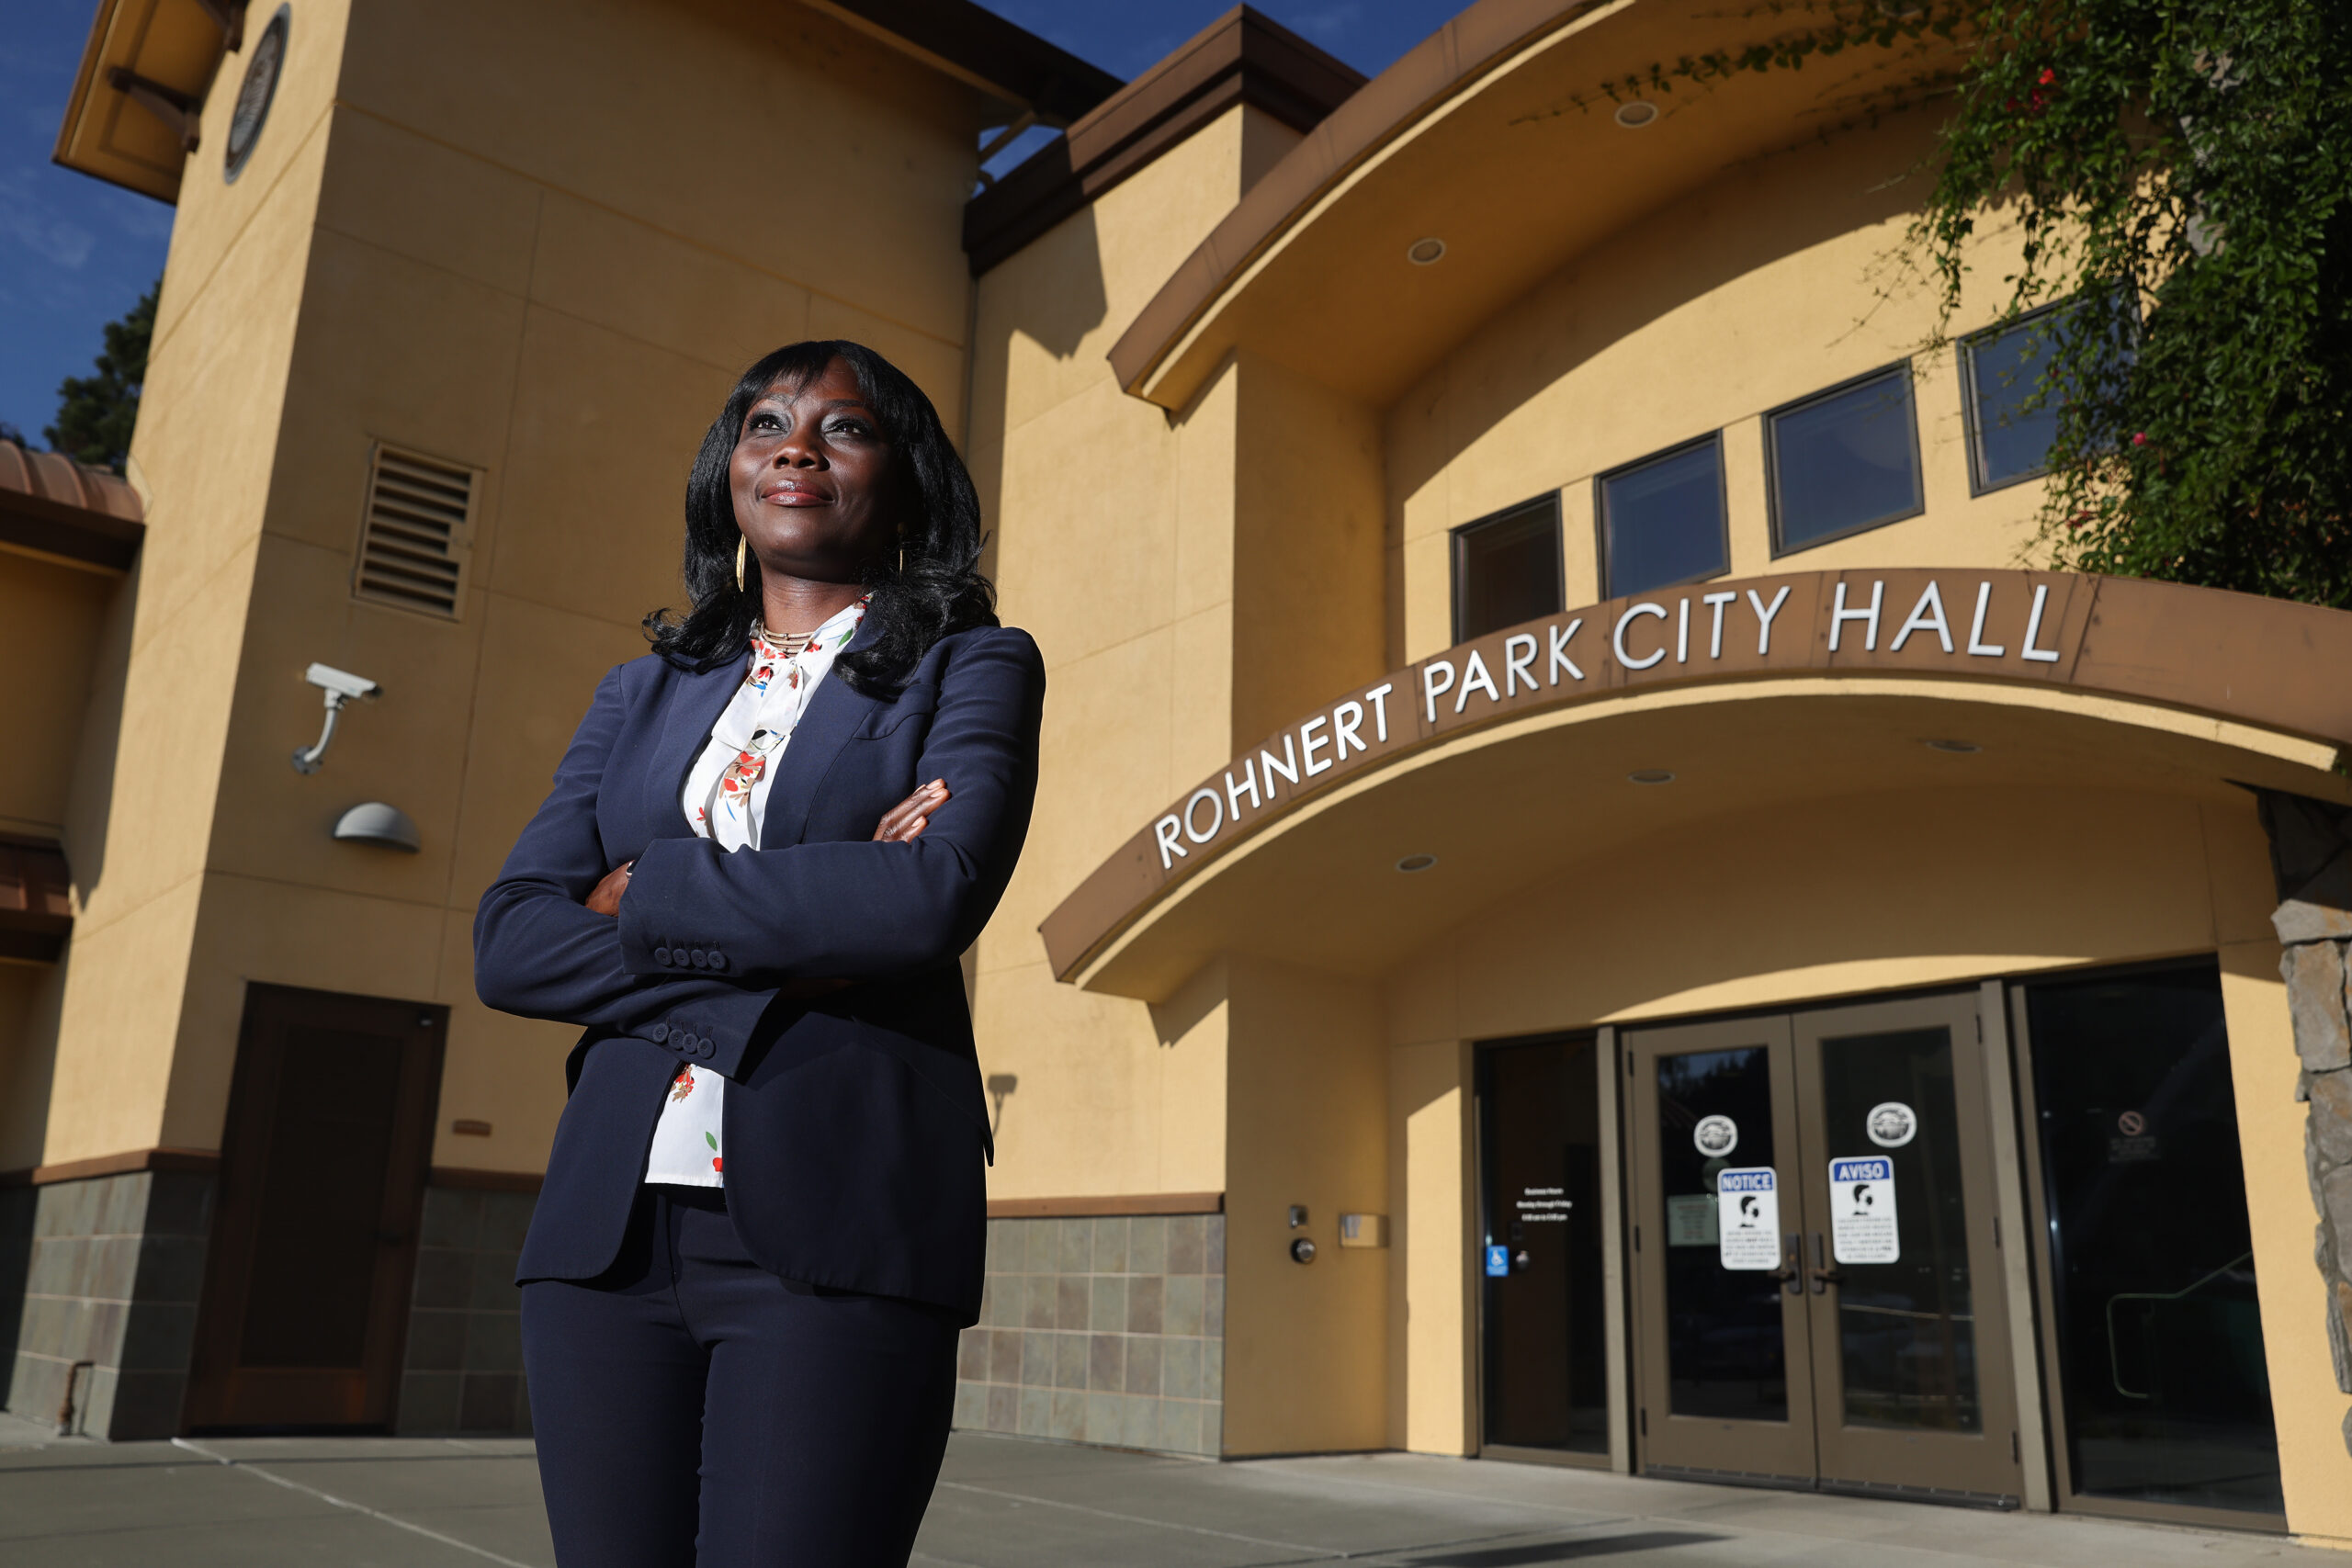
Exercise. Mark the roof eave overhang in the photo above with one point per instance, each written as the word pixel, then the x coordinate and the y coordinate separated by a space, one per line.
pixel 1313 257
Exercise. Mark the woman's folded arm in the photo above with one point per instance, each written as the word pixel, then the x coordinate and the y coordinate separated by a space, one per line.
pixel 856 910
pixel 540 952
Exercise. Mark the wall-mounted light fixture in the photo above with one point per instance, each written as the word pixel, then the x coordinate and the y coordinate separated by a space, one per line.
pixel 375 822
pixel 1635 114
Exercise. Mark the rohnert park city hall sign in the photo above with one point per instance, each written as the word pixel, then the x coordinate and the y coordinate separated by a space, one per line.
pixel 2261 661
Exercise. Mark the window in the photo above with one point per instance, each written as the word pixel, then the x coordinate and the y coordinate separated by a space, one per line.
pixel 1662 520
pixel 1843 461
pixel 1507 569
pixel 2002 372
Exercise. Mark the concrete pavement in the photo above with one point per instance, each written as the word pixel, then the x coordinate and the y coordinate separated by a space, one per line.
pixel 1011 1502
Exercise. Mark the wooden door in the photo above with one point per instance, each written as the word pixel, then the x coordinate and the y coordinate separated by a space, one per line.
pixel 314 1241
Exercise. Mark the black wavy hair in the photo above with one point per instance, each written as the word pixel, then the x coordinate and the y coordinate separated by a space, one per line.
pixel 936 591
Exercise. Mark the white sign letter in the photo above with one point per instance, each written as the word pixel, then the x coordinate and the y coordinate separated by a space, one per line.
pixel 1560 660
pixel 1309 742
pixel 1248 784
pixel 1617 637
pixel 1346 719
pixel 1515 664
pixel 1976 643
pixel 1216 819
pixel 1433 687
pixel 1165 831
pixel 2033 629
pixel 1379 696
pixel 1287 767
pixel 1716 637
pixel 1921 620
pixel 1764 617
pixel 1474 675
pixel 1839 616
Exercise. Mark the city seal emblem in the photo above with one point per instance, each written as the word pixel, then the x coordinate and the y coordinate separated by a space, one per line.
pixel 1891 1126
pixel 1715 1136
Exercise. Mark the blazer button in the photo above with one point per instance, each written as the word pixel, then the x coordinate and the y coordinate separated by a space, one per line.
pixel 717 959
pixel 708 1047
pixel 659 1032
pixel 698 958
pixel 661 956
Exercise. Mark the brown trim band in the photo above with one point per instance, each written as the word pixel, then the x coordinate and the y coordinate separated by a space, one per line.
pixel 1242 58
pixel 1106 1208
pixel 50 527
pixel 202 1162
pixel 2267 662
pixel 470 1178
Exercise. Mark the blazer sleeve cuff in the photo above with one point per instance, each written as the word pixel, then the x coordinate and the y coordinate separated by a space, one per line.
pixel 711 1030
pixel 654 940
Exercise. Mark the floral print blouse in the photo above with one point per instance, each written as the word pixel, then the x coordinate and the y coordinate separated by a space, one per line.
pixel 725 800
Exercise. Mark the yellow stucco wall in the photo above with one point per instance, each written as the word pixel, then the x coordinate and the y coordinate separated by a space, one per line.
pixel 1117 537
pixel 1780 280
pixel 452 250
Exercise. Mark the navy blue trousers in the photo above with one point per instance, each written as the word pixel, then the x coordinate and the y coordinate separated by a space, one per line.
pixel 695 1411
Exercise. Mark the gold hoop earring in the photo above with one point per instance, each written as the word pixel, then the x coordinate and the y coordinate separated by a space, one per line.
pixel 743 543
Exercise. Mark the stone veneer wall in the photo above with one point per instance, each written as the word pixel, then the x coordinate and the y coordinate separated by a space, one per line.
pixel 110 1271
pixel 2311 853
pixel 1105 1330
pixel 463 1369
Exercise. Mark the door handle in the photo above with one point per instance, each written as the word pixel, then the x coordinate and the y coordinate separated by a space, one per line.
pixel 1825 1273
pixel 1791 1273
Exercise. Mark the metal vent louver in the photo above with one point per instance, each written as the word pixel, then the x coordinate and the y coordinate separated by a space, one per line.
pixel 419 532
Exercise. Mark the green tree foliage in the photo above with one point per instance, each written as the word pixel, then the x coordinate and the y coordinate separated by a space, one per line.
pixel 96 414
pixel 2179 174
pixel 2182 170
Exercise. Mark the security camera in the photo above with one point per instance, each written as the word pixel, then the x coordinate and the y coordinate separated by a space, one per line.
pixel 341 686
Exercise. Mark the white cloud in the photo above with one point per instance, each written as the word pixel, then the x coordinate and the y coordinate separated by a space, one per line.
pixel 28 223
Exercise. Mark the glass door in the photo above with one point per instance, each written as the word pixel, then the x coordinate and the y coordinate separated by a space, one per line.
pixel 1812 1204
pixel 1911 1383
pixel 1723 1374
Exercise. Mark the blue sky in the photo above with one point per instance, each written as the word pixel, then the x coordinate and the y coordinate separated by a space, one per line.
pixel 75 253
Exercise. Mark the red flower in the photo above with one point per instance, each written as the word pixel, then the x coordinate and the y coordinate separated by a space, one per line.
pixel 2048 77
pixel 719 1165
pixel 2139 438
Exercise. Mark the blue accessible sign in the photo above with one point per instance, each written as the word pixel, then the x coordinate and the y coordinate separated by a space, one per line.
pixel 1498 1262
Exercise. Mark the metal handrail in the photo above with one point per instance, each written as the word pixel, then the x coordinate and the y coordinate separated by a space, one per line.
pixel 2114 1363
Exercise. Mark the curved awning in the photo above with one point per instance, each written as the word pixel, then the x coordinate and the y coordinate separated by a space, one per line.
pixel 1802 685
pixel 1497 137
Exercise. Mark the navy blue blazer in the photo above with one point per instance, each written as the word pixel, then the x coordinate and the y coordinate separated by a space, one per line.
pixel 856 1124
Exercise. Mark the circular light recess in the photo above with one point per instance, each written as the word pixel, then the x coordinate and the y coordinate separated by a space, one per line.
pixel 1650 777
pixel 1423 253
pixel 1416 863
pixel 1957 747
pixel 1636 114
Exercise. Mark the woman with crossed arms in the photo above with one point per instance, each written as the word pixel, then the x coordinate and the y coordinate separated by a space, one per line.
pixel 768 847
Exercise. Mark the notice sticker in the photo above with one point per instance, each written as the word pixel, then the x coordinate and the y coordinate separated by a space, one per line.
pixel 1861 1211
pixel 1748 1218
pixel 1498 1262
pixel 1690 1220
